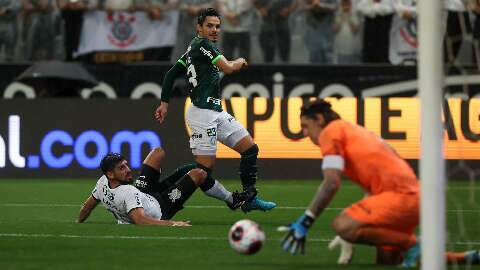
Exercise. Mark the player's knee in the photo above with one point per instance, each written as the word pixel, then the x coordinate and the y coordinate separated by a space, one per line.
pixel 159 153
pixel 198 176
pixel 344 229
pixel 252 151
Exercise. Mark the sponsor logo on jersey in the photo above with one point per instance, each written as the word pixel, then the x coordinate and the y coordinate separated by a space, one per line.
pixel 140 183
pixel 196 136
pixel 213 140
pixel 137 198
pixel 215 101
pixel 108 194
pixel 206 53
pixel 174 195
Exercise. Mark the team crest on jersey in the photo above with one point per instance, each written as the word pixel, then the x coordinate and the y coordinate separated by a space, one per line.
pixel 174 195
pixel 122 34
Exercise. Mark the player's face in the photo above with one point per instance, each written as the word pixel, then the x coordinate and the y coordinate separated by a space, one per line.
pixel 122 172
pixel 312 127
pixel 210 28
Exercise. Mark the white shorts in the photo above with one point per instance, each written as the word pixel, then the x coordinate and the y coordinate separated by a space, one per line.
pixel 208 126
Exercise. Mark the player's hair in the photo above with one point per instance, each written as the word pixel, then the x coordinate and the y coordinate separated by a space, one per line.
pixel 319 106
pixel 204 13
pixel 110 161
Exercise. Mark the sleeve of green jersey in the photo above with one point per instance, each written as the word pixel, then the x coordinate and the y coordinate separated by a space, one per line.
pixel 183 60
pixel 211 51
pixel 176 71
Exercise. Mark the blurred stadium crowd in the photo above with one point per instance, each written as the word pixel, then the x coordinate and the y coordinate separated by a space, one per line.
pixel 263 31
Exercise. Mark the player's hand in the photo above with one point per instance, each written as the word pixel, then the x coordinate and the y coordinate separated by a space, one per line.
pixel 346 249
pixel 181 223
pixel 161 112
pixel 296 234
pixel 243 61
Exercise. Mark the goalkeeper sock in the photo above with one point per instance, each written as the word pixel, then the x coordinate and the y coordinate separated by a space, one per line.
pixel 455 257
pixel 467 257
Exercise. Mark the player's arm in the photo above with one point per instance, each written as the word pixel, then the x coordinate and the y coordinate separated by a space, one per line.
pixel 325 192
pixel 139 217
pixel 179 69
pixel 297 231
pixel 228 67
pixel 87 209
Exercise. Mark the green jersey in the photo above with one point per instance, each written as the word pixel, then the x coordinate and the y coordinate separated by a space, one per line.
pixel 203 75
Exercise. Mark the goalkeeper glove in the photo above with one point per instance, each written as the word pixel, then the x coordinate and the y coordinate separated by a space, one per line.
pixel 346 249
pixel 297 233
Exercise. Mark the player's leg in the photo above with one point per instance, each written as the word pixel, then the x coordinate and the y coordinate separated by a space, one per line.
pixel 213 188
pixel 358 232
pixel 467 257
pixel 147 181
pixel 203 143
pixel 175 176
pixel 248 171
pixel 172 199
pixel 232 134
pixel 387 221
pixel 412 257
pixel 387 255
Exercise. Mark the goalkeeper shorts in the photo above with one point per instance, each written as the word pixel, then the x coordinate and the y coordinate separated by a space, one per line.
pixel 391 210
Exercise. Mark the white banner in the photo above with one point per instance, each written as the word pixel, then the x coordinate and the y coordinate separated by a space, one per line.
pixel 126 31
pixel 403 40
pixel 403 33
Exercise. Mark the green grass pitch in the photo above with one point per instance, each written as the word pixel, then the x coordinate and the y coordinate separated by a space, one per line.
pixel 37 230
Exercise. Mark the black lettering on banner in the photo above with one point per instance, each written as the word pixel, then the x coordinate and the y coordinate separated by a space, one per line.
pixel 252 117
pixel 465 122
pixel 385 114
pixel 284 121
pixel 361 111
pixel 449 125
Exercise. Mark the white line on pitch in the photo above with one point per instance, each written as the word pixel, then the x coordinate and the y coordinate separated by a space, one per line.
pixel 136 237
pixel 201 207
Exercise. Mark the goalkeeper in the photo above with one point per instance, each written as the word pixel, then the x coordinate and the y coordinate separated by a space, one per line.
pixel 388 216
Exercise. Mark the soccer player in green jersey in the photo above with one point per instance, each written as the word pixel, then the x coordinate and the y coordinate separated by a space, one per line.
pixel 202 63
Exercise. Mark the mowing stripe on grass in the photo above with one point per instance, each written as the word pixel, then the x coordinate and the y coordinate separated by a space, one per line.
pixel 52 205
pixel 188 206
pixel 136 237
pixel 125 237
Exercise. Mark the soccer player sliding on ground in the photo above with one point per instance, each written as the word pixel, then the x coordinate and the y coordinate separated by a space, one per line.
pixel 388 216
pixel 150 200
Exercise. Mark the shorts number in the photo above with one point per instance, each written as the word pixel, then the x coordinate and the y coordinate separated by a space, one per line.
pixel 212 132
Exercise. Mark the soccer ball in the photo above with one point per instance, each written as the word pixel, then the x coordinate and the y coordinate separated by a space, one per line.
pixel 246 237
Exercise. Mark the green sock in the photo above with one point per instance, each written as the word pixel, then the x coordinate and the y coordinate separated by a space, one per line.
pixel 248 167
